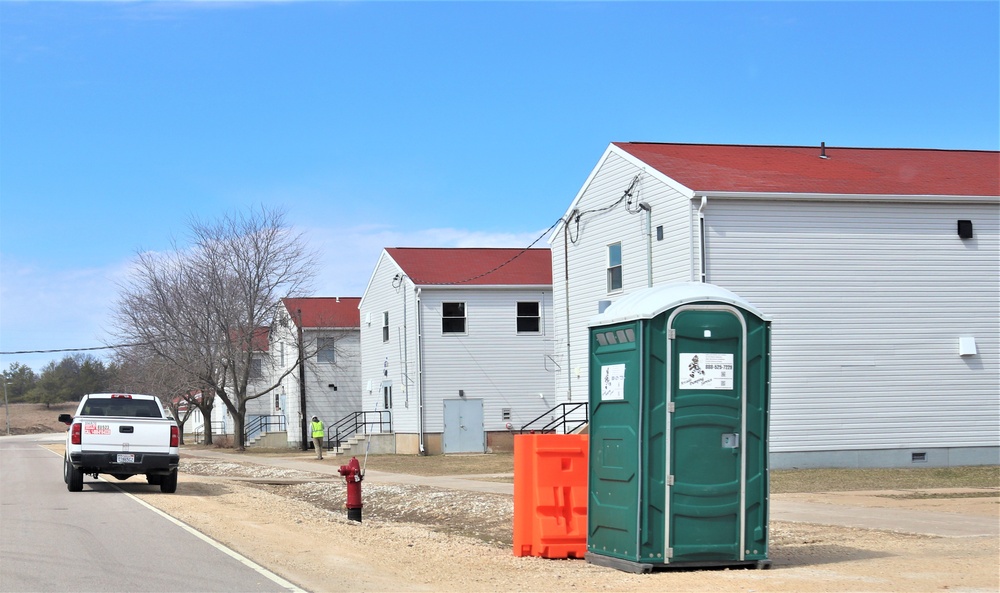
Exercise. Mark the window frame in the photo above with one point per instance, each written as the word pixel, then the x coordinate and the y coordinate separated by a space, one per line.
pixel 537 317
pixel 615 267
pixel 385 327
pixel 321 349
pixel 256 368
pixel 445 329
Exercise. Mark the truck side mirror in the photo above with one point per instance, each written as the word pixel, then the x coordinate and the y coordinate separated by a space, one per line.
pixel 66 419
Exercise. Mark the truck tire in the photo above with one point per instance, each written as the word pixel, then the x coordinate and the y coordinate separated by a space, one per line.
pixel 65 470
pixel 169 483
pixel 74 477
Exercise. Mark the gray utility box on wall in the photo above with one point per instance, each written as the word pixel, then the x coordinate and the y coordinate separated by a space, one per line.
pixel 679 396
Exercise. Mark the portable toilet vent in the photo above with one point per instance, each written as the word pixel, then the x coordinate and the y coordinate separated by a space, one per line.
pixel 679 390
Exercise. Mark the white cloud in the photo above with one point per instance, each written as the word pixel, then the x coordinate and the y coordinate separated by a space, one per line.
pixel 47 309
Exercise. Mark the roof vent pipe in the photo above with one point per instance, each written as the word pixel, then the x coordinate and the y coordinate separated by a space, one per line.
pixel 822 150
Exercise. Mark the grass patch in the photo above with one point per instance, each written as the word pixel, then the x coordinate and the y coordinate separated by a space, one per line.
pixel 840 480
pixel 782 481
pixel 442 465
pixel 933 495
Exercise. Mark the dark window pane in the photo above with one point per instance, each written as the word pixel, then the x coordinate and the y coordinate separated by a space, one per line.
pixel 528 317
pixel 614 278
pixel 528 324
pixel 453 318
pixel 326 351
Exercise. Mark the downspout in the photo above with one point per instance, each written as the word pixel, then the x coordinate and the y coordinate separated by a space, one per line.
pixel 649 242
pixel 701 236
pixel 420 381
pixel 302 384
pixel 406 350
pixel 569 366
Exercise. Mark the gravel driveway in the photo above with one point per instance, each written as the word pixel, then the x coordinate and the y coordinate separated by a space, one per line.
pixel 419 538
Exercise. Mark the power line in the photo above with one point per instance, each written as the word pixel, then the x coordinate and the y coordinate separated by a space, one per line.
pixel 514 257
pixel 58 350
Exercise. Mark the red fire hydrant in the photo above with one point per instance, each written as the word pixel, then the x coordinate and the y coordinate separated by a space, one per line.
pixel 352 475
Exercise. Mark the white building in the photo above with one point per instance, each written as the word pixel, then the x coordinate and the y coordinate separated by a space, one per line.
pixel 457 345
pixel 329 379
pixel 879 268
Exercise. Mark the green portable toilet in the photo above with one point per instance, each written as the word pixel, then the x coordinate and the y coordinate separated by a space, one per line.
pixel 679 390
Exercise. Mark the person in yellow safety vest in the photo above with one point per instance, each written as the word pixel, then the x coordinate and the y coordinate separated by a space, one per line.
pixel 317 432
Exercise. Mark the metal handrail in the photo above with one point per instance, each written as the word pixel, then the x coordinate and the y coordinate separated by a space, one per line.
pixel 263 424
pixel 356 422
pixel 217 427
pixel 562 420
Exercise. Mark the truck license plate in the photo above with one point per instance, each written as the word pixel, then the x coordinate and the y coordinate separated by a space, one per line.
pixel 126 458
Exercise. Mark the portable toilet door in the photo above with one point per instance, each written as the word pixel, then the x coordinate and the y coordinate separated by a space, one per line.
pixel 678 469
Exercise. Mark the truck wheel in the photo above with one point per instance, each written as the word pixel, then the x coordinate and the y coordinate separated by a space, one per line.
pixel 65 470
pixel 74 477
pixel 169 483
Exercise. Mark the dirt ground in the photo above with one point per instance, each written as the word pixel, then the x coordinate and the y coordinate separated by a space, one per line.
pixel 426 539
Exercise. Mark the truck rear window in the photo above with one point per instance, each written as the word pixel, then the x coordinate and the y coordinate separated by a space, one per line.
pixel 136 408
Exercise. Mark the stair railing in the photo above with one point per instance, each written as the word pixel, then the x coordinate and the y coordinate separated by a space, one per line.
pixel 563 418
pixel 357 422
pixel 263 424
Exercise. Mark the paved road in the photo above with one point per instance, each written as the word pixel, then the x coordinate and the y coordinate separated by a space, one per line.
pixel 102 539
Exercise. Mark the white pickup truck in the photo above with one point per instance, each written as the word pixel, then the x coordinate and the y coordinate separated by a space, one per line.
pixel 121 434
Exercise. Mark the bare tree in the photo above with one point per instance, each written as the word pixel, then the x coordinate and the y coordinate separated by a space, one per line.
pixel 163 310
pixel 140 370
pixel 205 310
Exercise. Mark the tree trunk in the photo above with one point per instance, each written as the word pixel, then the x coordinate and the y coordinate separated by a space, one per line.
pixel 239 421
pixel 206 413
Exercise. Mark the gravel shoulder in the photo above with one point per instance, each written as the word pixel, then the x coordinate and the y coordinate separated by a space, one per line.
pixel 421 538
pixel 416 538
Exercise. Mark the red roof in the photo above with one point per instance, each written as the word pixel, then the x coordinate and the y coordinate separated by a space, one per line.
pixel 474 266
pixel 325 311
pixel 800 170
pixel 259 339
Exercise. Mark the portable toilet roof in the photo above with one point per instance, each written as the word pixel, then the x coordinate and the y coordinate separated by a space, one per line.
pixel 650 302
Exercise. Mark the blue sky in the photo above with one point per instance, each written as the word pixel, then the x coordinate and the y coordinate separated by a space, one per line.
pixel 418 123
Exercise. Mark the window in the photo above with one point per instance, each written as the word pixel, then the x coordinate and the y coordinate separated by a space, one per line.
pixel 256 368
pixel 453 318
pixel 387 395
pixel 385 326
pixel 614 267
pixel 529 317
pixel 325 351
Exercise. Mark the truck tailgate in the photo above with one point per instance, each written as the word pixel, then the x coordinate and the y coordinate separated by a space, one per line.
pixel 147 435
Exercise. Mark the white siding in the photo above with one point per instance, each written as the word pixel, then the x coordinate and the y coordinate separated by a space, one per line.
pixel 321 399
pixel 491 361
pixel 587 252
pixel 389 361
pixel 868 301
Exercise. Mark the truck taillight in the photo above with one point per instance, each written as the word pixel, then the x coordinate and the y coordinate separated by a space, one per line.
pixel 76 434
pixel 175 436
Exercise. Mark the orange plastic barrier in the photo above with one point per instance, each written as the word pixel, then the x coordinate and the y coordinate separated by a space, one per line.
pixel 550 495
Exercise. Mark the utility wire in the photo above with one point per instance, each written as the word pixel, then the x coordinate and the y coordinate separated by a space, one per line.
pixel 487 273
pixel 57 350
pixel 517 255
